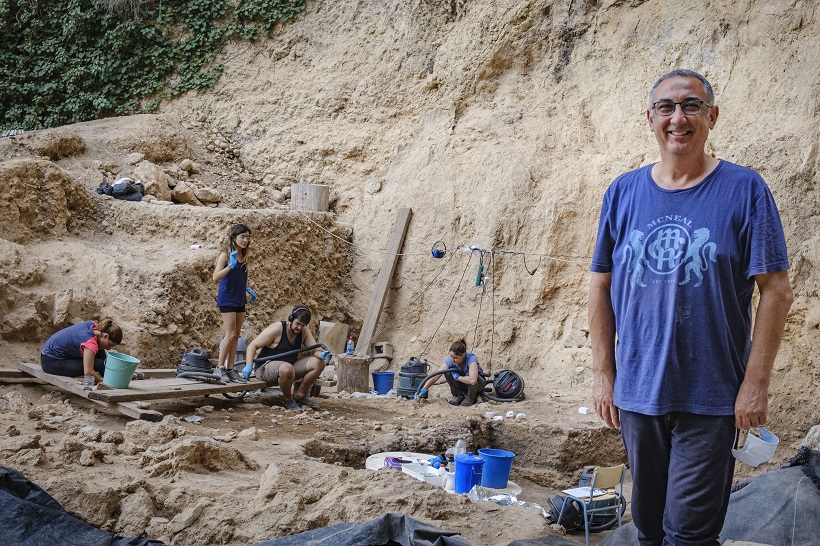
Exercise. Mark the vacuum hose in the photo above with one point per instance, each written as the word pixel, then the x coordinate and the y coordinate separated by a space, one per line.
pixel 483 393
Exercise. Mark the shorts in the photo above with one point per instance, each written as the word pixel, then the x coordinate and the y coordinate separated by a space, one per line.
pixel 232 309
pixel 269 371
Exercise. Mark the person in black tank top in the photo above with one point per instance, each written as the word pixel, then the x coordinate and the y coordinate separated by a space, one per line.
pixel 281 337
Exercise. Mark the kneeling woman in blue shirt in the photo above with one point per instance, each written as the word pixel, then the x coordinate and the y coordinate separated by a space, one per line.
pixel 80 349
pixel 466 383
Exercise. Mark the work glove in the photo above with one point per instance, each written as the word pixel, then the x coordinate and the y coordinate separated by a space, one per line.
pixel 233 262
pixel 246 373
pixel 250 291
pixel 420 394
pixel 456 375
pixel 326 356
pixel 435 462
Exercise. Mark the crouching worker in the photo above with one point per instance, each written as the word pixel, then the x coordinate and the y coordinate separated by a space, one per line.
pixel 281 337
pixel 80 349
pixel 466 383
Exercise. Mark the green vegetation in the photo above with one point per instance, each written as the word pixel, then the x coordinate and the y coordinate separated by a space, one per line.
pixel 64 61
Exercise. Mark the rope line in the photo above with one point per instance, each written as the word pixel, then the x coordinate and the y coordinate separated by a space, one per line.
pixel 583 260
pixel 400 315
pixel 432 337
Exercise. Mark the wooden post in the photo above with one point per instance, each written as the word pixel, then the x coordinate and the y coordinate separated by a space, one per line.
pixel 382 283
pixel 309 197
pixel 353 373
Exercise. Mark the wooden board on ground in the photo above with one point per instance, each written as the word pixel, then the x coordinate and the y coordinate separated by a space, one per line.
pixel 333 335
pixel 158 385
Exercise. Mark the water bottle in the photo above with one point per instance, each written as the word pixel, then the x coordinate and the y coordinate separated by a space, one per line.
pixel 88 382
pixel 350 346
pixel 460 448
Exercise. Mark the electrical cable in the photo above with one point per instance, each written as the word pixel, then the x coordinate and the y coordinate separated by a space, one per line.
pixel 392 322
pixel 432 337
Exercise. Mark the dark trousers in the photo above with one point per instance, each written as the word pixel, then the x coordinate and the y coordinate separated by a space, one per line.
pixel 471 392
pixel 71 367
pixel 682 468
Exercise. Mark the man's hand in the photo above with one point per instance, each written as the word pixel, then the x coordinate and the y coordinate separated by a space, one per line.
pixel 751 406
pixel 250 291
pixel 603 396
pixel 327 356
pixel 233 262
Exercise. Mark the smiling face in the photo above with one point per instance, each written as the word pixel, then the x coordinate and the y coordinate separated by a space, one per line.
pixel 681 134
pixel 243 240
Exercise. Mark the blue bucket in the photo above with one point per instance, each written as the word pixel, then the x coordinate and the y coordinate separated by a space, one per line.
pixel 497 466
pixel 119 368
pixel 468 472
pixel 383 381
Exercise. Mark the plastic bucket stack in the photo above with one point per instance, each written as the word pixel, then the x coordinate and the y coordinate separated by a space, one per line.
pixel 497 466
pixel 119 368
pixel 468 472
pixel 383 381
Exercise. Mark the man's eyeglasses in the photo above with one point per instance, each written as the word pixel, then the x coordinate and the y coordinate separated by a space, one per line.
pixel 689 107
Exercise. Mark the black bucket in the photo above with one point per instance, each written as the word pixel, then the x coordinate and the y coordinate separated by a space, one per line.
pixel 409 383
pixel 416 366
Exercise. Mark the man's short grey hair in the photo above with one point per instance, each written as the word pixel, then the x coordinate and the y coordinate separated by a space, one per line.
pixel 682 72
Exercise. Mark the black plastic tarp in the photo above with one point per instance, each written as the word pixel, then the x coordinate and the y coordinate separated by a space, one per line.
pixel 781 506
pixel 31 517
pixel 387 530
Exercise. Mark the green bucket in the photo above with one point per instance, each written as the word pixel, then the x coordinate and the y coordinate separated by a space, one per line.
pixel 119 368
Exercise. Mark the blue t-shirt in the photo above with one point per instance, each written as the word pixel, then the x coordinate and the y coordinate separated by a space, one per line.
pixel 682 264
pixel 232 288
pixel 65 343
pixel 469 358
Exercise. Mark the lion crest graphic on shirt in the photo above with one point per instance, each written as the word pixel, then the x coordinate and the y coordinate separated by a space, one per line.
pixel 665 250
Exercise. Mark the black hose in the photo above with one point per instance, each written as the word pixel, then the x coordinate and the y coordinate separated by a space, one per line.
pixel 200 376
pixel 257 361
pixel 606 525
pixel 484 393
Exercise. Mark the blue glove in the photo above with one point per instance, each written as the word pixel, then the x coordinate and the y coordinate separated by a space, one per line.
pixel 326 356
pixel 456 375
pixel 435 462
pixel 250 291
pixel 246 373
pixel 420 394
pixel 233 261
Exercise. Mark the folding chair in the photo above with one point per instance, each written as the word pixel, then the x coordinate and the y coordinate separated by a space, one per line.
pixel 607 484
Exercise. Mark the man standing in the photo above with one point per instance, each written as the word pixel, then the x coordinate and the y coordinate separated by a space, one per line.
pixel 681 245
pixel 281 337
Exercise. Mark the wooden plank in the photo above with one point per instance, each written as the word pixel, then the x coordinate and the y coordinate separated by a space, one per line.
pixel 8 375
pixel 391 257
pixel 145 389
pixel 334 336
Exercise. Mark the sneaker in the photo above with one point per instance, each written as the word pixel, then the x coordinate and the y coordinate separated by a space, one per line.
pixel 456 400
pixel 235 376
pixel 467 402
pixel 138 376
pixel 291 405
pixel 305 401
pixel 222 372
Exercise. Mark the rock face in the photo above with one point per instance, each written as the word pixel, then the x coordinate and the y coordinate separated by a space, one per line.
pixel 499 123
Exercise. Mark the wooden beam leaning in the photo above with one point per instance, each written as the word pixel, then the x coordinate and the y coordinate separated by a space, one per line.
pixel 391 257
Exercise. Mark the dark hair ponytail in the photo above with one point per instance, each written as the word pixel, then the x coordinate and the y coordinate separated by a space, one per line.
pixel 459 347
pixel 107 326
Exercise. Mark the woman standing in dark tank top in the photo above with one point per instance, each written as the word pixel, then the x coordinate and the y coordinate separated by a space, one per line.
pixel 231 272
